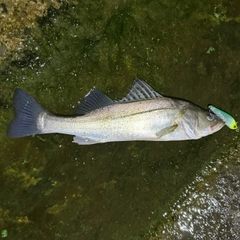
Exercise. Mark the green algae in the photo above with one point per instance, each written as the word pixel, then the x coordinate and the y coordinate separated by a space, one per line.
pixel 116 190
pixel 4 233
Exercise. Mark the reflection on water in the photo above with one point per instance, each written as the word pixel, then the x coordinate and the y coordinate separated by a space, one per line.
pixel 210 207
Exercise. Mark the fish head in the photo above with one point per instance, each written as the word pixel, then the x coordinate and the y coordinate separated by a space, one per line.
pixel 197 122
pixel 208 123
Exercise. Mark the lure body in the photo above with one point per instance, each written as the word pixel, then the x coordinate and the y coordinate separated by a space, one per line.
pixel 227 118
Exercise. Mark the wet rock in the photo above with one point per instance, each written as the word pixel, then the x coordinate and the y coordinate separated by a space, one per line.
pixel 3 49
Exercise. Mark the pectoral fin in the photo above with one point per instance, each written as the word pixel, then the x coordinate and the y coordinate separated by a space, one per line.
pixel 166 131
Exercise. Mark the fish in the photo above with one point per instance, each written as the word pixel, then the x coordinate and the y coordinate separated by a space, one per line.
pixel 142 115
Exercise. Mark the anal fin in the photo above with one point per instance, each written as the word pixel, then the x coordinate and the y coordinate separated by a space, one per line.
pixel 83 141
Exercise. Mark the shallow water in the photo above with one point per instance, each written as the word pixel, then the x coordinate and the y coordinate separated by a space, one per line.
pixel 209 208
pixel 54 189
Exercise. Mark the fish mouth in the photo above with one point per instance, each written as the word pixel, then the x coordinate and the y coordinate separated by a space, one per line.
pixel 217 126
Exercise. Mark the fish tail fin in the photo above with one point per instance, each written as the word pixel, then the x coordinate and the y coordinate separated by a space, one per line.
pixel 27 111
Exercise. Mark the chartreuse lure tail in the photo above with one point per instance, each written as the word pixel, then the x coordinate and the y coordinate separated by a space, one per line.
pixel 228 119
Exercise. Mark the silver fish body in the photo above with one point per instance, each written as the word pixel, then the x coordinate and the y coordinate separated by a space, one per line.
pixel 142 115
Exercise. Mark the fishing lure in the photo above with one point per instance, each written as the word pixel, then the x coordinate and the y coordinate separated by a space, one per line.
pixel 227 118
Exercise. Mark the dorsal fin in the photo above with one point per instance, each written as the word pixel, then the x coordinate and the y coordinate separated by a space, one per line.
pixel 92 101
pixel 140 91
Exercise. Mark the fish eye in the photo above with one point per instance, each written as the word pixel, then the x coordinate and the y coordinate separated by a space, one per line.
pixel 210 116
